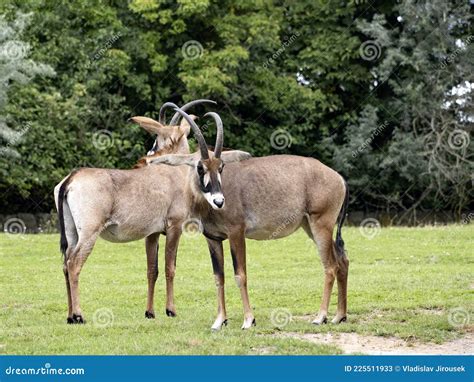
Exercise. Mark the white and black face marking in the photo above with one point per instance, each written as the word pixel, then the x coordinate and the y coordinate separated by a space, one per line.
pixel 160 143
pixel 154 149
pixel 210 185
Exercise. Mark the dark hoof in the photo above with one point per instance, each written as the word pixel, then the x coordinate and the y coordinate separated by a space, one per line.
pixel 70 320
pixel 343 319
pixel 149 315
pixel 170 313
pixel 224 323
pixel 77 319
pixel 254 323
pixel 320 322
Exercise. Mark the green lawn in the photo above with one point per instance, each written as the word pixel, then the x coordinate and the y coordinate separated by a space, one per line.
pixel 404 282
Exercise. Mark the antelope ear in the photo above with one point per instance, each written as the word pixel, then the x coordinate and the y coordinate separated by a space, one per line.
pixel 175 160
pixel 150 125
pixel 235 156
pixel 184 125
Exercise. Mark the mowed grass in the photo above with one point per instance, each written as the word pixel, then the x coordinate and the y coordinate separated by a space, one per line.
pixel 404 282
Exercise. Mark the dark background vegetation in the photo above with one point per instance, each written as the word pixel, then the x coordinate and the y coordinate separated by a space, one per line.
pixel 387 119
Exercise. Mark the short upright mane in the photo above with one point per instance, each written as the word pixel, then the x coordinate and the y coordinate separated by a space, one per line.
pixel 170 148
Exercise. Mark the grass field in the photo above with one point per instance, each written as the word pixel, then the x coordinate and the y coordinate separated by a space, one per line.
pixel 405 282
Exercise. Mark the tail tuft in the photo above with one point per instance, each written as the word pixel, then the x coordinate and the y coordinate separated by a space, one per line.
pixel 63 241
pixel 341 218
pixel 63 244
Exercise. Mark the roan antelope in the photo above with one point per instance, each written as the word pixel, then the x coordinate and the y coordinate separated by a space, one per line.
pixel 126 205
pixel 268 198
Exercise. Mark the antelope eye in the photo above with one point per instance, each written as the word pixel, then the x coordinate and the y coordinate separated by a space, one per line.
pixel 200 169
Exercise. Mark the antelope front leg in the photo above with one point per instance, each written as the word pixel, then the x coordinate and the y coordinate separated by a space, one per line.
pixel 217 257
pixel 151 245
pixel 172 240
pixel 237 249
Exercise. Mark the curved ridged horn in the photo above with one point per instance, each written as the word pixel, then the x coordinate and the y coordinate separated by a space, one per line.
pixel 163 108
pixel 175 118
pixel 197 133
pixel 220 133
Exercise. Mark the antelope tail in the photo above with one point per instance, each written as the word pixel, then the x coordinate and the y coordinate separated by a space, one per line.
pixel 63 244
pixel 341 218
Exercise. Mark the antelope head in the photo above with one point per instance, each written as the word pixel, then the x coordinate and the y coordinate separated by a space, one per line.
pixel 207 165
pixel 170 137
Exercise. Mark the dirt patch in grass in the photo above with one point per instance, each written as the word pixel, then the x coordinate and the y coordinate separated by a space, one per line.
pixel 355 343
pixel 264 350
pixel 435 311
pixel 379 313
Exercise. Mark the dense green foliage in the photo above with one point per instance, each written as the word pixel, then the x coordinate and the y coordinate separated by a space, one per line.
pixel 412 283
pixel 297 69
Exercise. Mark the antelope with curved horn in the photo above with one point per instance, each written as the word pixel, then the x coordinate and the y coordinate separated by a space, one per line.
pixel 123 206
pixel 269 198
pixel 205 181
pixel 166 133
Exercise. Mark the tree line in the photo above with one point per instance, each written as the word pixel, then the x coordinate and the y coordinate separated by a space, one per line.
pixel 379 90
